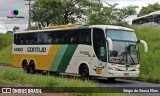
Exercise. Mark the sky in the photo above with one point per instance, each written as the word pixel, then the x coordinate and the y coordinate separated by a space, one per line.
pixel 7 5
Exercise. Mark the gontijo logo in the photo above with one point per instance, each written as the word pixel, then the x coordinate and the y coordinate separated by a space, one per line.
pixel 16 12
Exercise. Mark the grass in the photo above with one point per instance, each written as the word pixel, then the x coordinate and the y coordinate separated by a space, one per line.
pixel 5 48
pixel 5 56
pixel 150 62
pixel 5 40
pixel 15 77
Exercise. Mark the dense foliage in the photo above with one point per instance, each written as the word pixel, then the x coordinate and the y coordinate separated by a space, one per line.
pixel 58 12
pixel 150 8
pixel 110 14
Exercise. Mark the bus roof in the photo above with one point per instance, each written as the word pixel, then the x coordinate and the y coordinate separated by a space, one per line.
pixel 111 27
pixel 150 14
pixel 54 28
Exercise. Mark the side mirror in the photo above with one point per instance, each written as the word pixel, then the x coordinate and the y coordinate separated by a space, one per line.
pixel 110 44
pixel 145 45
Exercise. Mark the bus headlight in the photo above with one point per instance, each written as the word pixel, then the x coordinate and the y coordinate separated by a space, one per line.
pixel 137 69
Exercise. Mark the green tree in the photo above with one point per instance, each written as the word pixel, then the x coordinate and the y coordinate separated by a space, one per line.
pixel 150 8
pixel 56 12
pixel 110 14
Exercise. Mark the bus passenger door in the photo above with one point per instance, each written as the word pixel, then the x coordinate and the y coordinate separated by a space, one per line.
pixel 99 45
pixel 102 61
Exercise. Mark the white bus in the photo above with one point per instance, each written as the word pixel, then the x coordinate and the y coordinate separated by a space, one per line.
pixel 152 19
pixel 89 51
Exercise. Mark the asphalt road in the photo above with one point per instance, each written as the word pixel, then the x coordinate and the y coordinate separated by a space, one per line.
pixel 117 83
pixel 8 67
pixel 131 83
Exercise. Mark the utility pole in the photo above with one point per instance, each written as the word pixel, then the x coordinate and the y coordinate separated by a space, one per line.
pixel 29 19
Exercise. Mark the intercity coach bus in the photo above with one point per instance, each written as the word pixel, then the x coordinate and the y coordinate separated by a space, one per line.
pixel 88 51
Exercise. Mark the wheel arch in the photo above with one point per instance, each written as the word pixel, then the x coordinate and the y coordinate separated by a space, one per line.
pixel 24 61
pixel 83 64
pixel 33 60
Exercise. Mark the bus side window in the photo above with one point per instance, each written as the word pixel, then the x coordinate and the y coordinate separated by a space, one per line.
pixel 85 36
pixel 72 36
pixel 35 39
pixel 21 38
pixel 50 37
pixel 46 38
pixel 39 38
pixel 29 37
pixel 58 37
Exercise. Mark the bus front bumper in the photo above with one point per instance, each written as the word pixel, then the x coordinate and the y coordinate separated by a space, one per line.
pixel 123 73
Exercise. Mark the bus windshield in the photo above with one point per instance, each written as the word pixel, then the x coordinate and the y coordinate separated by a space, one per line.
pixel 125 50
pixel 121 35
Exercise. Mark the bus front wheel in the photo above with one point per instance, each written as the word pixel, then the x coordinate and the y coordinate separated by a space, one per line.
pixel 84 72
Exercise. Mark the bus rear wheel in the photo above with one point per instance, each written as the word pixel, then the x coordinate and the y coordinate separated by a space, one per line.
pixel 84 72
pixel 25 66
pixel 32 67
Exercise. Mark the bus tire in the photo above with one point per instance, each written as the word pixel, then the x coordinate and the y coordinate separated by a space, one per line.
pixel 84 72
pixel 111 79
pixel 32 67
pixel 25 66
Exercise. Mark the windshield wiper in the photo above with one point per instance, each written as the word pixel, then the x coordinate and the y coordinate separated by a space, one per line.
pixel 128 52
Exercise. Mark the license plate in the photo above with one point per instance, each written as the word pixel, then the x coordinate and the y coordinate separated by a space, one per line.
pixel 126 74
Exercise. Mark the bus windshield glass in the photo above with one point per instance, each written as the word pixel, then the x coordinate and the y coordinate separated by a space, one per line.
pixel 121 35
pixel 125 49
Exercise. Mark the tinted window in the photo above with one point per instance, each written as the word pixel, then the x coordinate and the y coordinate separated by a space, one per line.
pixel 76 36
pixel 99 44
pixel 59 37
pixel 85 36
pixel 73 37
